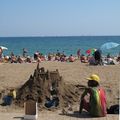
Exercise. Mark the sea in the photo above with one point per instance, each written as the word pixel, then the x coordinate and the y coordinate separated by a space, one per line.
pixel 68 44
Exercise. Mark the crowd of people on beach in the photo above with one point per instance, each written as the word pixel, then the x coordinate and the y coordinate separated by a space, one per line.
pixel 37 57
pixel 95 58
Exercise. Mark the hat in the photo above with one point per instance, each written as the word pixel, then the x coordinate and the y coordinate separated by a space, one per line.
pixel 94 77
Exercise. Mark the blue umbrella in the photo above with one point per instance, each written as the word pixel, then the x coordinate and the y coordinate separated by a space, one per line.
pixel 108 45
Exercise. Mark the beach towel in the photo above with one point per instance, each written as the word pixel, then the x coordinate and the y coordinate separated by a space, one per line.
pixel 94 101
pixel 97 102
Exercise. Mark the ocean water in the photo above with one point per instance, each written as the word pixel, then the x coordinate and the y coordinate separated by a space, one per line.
pixel 47 45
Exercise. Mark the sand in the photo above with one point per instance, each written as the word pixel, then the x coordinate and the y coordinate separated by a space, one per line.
pixel 15 75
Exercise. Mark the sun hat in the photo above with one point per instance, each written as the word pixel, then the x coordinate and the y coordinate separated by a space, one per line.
pixel 94 77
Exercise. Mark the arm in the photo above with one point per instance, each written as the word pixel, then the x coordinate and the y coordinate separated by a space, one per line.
pixel 82 100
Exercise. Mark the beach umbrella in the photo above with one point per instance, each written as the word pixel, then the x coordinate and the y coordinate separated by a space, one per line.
pixel 3 48
pixel 109 45
pixel 90 51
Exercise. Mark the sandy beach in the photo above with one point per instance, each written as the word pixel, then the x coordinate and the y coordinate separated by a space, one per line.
pixel 15 75
pixel 59 60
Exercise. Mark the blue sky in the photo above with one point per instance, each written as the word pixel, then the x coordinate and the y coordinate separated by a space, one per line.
pixel 59 17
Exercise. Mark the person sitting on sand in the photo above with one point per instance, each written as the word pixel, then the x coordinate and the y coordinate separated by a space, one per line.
pixel 28 59
pixel 91 60
pixel 19 59
pixel 6 59
pixel 14 59
pixel 83 59
pixel 71 58
pixel 93 100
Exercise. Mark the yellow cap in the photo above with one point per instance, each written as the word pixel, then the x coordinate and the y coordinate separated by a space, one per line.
pixel 94 77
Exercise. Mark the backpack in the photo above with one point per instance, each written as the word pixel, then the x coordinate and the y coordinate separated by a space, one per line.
pixel 97 102
pixel 114 109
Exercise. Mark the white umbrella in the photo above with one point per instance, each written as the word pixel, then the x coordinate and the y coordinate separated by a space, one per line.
pixel 109 45
pixel 3 48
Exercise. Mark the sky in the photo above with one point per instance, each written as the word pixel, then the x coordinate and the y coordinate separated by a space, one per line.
pixel 59 17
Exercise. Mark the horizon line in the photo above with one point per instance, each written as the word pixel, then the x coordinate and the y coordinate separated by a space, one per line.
pixel 64 36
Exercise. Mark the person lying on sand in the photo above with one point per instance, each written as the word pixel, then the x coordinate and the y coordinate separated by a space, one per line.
pixel 93 100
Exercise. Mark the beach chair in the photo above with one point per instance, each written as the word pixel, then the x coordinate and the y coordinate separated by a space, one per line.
pixel 31 110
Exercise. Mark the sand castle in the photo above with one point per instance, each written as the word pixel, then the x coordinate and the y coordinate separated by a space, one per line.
pixel 39 86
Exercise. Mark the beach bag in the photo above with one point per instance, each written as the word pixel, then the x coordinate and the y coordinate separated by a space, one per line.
pixel 114 109
pixel 97 102
pixel 49 103
pixel 7 100
pixel 54 102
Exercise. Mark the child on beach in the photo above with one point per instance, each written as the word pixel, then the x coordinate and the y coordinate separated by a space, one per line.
pixel 93 100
